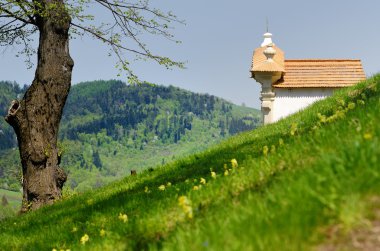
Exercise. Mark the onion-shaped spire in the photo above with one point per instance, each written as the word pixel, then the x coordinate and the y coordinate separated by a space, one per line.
pixel 267 39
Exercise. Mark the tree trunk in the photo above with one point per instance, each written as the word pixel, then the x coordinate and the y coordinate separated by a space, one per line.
pixel 36 117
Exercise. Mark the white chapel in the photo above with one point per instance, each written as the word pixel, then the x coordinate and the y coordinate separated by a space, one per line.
pixel 290 85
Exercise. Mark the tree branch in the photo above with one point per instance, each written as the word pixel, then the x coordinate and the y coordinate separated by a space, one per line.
pixel 20 4
pixel 2 30
pixel 3 26
pixel 110 42
pixel 142 7
pixel 15 16
pixel 12 112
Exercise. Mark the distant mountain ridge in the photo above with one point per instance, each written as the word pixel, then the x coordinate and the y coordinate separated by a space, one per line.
pixel 109 128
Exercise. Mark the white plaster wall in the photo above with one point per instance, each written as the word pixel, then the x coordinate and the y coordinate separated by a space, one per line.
pixel 288 101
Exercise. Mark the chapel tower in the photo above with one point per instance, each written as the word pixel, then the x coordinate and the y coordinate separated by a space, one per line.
pixel 288 86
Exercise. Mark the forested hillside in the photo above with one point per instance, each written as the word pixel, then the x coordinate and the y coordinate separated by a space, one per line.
pixel 146 112
pixel 110 128
pixel 8 92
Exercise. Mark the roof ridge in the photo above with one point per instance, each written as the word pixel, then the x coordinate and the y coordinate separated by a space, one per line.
pixel 322 60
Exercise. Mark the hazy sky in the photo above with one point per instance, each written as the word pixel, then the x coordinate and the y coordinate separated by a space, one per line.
pixel 220 36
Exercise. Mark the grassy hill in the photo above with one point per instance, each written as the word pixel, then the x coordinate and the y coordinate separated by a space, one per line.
pixel 109 128
pixel 303 183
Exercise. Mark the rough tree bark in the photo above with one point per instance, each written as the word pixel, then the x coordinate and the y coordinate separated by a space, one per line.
pixel 36 117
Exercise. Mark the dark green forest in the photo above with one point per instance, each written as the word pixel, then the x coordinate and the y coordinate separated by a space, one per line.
pixel 109 128
pixel 146 110
pixel 8 92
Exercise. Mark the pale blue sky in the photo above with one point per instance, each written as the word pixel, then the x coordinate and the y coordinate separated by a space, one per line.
pixel 220 36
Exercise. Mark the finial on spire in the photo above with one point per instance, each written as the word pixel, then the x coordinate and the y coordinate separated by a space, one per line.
pixel 267 24
pixel 267 39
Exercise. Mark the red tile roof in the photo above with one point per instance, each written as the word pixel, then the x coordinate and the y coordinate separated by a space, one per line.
pixel 333 73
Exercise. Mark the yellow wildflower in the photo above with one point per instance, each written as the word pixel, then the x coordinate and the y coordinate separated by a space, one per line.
pixel 162 187
pixel 74 229
pixel 102 232
pixel 234 163
pixel 185 204
pixel 281 142
pixel 367 136
pixel 293 129
pixel 265 150
pixel 54 249
pixel 84 239
pixel 272 149
pixel 123 217
pixel 226 173
pixel 188 211
pixel 203 181
pixel 168 184
pixel 351 105
pixel 225 166
pixel 195 188
pixel 146 189
pixel 182 200
pixel 213 175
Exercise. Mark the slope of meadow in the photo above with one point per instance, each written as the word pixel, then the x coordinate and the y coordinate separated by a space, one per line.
pixel 287 186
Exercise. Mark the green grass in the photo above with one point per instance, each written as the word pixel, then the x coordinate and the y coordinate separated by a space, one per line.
pixel 320 168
